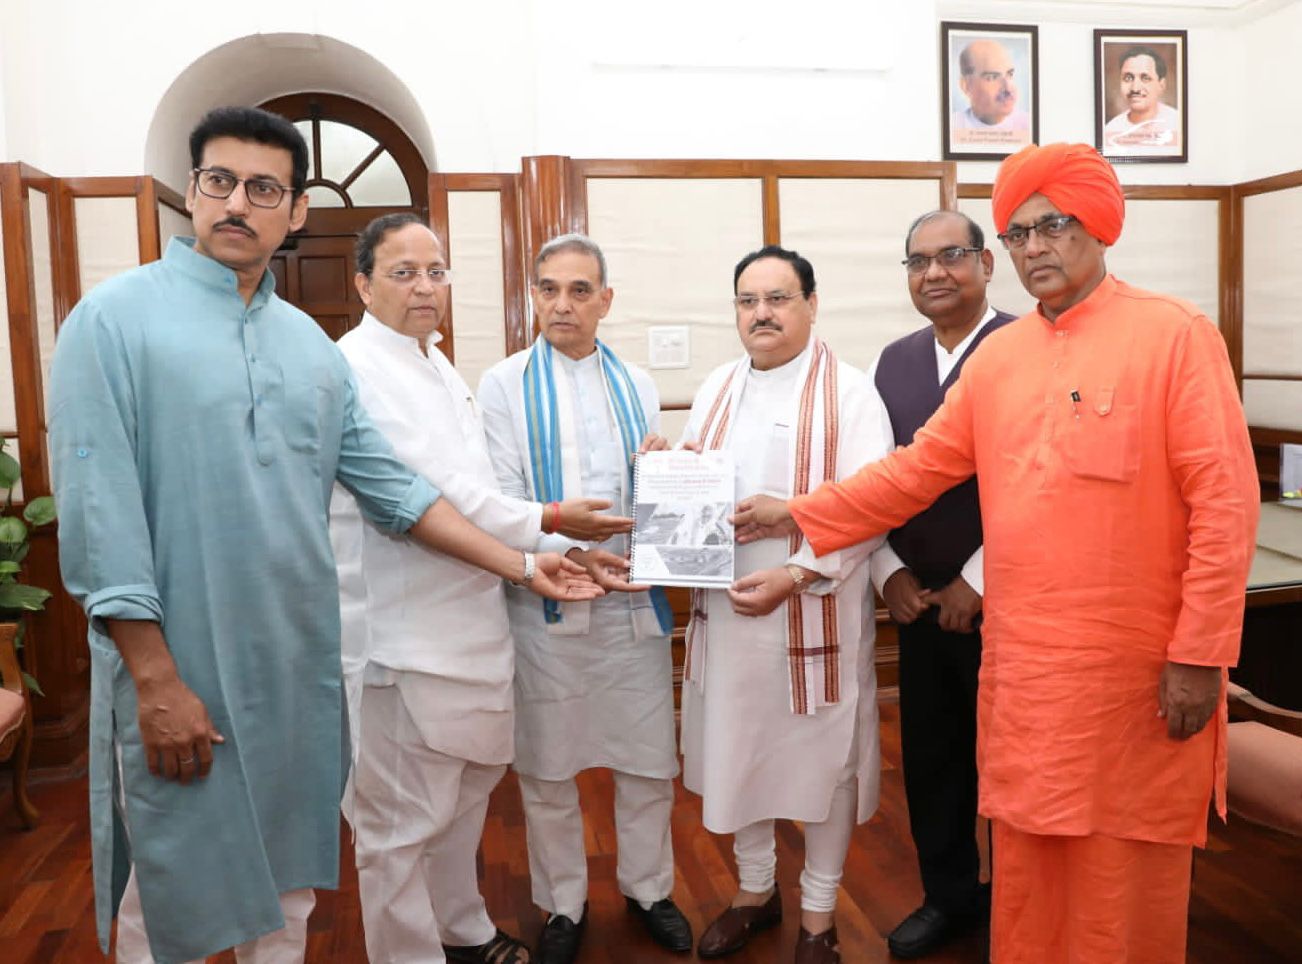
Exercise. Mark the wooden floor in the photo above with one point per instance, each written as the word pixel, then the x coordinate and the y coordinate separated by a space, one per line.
pixel 1246 906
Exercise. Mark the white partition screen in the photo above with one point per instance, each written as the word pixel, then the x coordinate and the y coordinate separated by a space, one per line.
pixel 852 231
pixel 1172 247
pixel 1272 305
pixel 108 238
pixel 671 245
pixel 1005 291
pixel 478 302
pixel 172 224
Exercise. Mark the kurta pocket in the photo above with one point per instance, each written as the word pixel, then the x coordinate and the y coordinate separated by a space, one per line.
pixel 1101 440
pixel 304 407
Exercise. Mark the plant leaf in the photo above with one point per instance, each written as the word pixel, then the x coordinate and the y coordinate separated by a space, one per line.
pixel 8 566
pixel 12 530
pixel 9 471
pixel 32 685
pixel 17 595
pixel 40 510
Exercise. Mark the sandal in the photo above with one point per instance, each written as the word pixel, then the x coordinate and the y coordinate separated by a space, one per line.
pixel 502 949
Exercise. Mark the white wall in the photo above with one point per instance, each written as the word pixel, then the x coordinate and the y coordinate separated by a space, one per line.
pixel 1271 139
pixel 495 80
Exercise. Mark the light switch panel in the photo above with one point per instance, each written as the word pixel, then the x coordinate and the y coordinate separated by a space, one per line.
pixel 669 346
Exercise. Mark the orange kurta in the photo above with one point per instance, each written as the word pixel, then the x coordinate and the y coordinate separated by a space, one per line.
pixel 1118 533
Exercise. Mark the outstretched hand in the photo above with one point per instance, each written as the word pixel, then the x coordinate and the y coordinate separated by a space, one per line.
pixel 562 579
pixel 581 519
pixel 606 569
pixel 762 517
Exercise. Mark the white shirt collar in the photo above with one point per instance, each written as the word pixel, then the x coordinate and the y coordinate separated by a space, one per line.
pixel 946 360
pixel 377 329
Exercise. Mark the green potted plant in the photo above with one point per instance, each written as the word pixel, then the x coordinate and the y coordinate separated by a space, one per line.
pixel 18 598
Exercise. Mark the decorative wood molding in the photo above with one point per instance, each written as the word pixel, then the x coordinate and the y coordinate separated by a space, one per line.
pixel 1265 185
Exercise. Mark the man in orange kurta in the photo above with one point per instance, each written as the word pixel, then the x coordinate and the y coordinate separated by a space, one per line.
pixel 1119 502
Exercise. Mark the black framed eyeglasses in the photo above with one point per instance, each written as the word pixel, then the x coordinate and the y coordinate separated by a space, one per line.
pixel 1050 229
pixel 261 192
pixel 947 258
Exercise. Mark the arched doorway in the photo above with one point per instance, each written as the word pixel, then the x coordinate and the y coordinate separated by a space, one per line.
pixel 360 165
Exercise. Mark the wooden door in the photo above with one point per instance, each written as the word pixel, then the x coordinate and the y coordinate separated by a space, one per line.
pixel 316 275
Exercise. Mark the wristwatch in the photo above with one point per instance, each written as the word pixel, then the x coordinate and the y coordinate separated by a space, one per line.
pixel 797 576
pixel 530 568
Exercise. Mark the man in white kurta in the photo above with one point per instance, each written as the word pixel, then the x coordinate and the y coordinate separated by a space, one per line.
pixel 593 684
pixel 427 651
pixel 769 733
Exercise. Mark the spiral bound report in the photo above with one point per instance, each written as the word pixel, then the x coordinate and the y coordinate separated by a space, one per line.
pixel 681 534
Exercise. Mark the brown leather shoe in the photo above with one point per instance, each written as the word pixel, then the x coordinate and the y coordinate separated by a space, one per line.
pixel 818 948
pixel 737 925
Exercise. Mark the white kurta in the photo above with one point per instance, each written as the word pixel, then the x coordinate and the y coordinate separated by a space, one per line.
pixel 601 697
pixel 434 625
pixel 744 750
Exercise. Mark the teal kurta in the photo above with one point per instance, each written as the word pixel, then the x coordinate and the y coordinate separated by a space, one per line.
pixel 195 442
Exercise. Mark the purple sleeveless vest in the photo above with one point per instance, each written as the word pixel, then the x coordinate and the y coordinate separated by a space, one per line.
pixel 936 542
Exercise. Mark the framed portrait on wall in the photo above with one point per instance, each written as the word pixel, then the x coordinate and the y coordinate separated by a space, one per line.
pixel 989 103
pixel 1141 93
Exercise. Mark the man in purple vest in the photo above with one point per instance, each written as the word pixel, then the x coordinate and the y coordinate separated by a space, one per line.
pixel 930 575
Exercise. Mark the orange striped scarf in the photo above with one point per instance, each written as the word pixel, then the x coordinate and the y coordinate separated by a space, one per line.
pixel 813 646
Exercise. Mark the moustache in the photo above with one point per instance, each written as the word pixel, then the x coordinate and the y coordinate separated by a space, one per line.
pixel 760 324
pixel 235 222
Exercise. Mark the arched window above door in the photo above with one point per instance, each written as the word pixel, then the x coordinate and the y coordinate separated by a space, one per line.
pixel 357 156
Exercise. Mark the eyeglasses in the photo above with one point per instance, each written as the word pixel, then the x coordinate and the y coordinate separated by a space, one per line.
pixel 1049 229
pixel 406 276
pixel 777 300
pixel 221 185
pixel 947 258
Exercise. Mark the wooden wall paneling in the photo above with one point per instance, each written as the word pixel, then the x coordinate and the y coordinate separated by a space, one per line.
pixel 772 210
pixel 515 271
pixel 67 289
pixel 438 221
pixel 147 229
pixel 1231 279
pixel 546 201
pixel 1265 185
pixel 56 650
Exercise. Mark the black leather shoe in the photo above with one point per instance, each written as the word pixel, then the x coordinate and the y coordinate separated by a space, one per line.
pixel 665 923
pixel 926 930
pixel 560 938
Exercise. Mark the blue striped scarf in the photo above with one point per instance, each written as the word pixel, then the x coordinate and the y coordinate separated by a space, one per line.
pixel 543 428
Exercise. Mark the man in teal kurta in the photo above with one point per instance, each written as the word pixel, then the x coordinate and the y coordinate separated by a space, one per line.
pixel 197 424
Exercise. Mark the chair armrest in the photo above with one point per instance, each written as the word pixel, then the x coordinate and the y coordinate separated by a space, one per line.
pixel 1244 706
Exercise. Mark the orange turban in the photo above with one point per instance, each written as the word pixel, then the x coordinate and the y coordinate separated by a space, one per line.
pixel 1075 177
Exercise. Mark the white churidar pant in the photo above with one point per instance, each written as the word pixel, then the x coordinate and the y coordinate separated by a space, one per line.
pixel 558 864
pixel 285 946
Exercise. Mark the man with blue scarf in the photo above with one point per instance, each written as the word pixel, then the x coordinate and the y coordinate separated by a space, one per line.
pixel 593 683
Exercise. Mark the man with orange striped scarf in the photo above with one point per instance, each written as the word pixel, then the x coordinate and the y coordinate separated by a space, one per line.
pixel 1119 504
pixel 779 705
